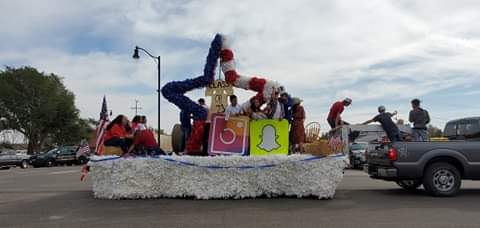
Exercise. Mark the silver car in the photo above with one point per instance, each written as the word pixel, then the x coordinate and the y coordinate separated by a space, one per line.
pixel 10 158
pixel 357 154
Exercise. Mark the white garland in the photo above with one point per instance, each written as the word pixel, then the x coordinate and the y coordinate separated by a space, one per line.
pixel 139 178
pixel 244 81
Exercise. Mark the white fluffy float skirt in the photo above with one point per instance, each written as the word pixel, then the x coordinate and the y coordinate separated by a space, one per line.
pixel 219 177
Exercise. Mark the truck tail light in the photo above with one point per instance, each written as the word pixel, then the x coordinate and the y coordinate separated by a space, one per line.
pixel 392 154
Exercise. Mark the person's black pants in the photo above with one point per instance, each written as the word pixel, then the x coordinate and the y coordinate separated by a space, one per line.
pixel 331 123
pixel 118 142
pixel 149 151
pixel 395 137
pixel 205 140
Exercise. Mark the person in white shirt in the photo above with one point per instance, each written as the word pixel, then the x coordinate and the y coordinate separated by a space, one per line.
pixel 275 108
pixel 233 109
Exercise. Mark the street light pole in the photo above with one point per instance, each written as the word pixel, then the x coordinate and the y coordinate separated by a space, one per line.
pixel 158 91
pixel 157 58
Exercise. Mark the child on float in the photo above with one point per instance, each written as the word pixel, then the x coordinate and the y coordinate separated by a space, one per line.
pixel 117 133
pixel 135 121
pixel 275 109
pixel 144 142
pixel 287 102
pixel 234 109
pixel 253 109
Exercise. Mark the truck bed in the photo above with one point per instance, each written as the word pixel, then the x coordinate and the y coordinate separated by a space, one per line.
pixel 412 157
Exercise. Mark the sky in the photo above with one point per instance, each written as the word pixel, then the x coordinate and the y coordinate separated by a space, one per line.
pixel 376 52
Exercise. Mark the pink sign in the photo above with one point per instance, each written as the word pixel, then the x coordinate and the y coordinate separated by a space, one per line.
pixel 228 137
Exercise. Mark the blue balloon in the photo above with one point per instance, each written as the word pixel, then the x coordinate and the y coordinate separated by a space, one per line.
pixel 175 91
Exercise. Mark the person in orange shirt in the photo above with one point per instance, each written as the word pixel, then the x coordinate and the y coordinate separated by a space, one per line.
pixel 116 133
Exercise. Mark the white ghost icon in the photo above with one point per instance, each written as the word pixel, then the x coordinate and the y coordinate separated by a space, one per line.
pixel 269 139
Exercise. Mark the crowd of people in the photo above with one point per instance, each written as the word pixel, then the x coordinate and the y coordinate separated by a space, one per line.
pixel 281 106
pixel 418 116
pixel 133 137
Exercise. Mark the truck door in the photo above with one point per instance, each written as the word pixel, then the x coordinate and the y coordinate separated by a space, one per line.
pixel 470 148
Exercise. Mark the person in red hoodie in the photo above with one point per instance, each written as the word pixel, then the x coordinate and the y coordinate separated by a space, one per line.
pixel 116 133
pixel 144 142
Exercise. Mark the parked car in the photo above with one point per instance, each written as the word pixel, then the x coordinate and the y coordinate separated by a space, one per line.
pixel 10 158
pixel 357 155
pixel 342 138
pixel 440 166
pixel 58 156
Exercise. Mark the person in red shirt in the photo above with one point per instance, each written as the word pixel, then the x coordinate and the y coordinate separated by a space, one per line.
pixel 334 116
pixel 116 133
pixel 135 121
pixel 144 142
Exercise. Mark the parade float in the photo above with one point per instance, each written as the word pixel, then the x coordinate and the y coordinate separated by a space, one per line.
pixel 246 158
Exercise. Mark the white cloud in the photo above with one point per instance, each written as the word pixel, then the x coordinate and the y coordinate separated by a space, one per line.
pixel 375 51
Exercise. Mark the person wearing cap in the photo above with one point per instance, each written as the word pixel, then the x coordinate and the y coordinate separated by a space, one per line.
pixel 334 118
pixel 297 131
pixel 420 119
pixel 385 119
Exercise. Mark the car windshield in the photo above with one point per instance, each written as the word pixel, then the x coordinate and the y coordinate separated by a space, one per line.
pixel 52 151
pixel 358 146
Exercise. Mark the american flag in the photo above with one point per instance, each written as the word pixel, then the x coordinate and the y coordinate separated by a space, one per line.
pixel 84 148
pixel 102 124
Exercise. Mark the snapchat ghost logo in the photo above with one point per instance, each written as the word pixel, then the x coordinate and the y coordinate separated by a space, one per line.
pixel 268 139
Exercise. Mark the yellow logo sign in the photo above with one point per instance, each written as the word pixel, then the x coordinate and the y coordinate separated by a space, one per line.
pixel 268 137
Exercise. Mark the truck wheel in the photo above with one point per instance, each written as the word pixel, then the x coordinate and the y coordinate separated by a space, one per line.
pixel 442 179
pixel 177 138
pixel 409 184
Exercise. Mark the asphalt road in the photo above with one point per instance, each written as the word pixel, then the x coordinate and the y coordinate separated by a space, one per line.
pixel 54 197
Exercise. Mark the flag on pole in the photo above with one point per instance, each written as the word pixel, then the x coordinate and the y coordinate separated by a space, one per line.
pixel 83 149
pixel 102 125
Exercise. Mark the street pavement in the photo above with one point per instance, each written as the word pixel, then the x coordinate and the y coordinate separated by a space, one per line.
pixel 54 197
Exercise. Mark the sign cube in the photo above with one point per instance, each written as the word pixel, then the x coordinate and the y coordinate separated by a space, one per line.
pixel 228 137
pixel 268 137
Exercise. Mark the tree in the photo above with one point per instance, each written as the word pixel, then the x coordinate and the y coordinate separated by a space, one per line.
pixel 434 131
pixel 39 106
pixel 73 132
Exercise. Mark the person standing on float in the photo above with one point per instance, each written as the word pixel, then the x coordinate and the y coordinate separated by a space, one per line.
pixel 334 118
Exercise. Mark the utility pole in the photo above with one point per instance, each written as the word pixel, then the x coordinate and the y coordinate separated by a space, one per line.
pixel 136 107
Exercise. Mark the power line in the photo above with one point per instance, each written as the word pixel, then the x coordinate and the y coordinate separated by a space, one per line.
pixel 136 108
